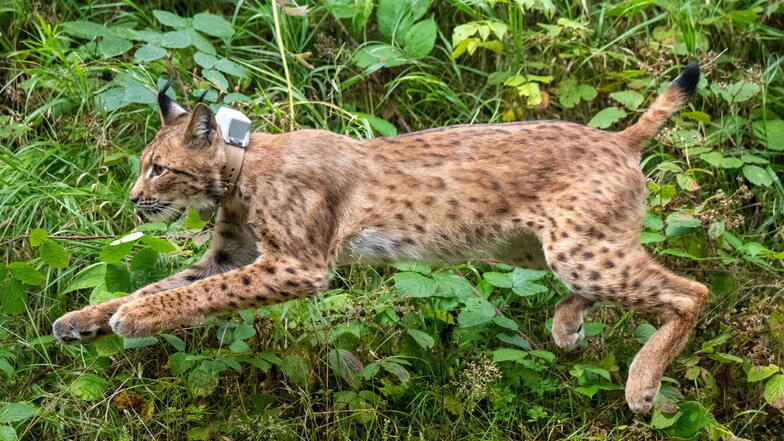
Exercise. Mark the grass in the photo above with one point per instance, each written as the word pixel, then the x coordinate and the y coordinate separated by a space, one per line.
pixel 363 361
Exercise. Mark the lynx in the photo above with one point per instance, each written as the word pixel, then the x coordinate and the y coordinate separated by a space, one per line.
pixel 537 194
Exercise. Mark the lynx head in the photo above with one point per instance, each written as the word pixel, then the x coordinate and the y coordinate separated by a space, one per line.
pixel 181 166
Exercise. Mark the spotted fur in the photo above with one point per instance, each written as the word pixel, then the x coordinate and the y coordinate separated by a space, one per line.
pixel 540 194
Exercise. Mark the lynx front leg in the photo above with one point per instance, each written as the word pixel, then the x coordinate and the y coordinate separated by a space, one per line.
pixel 271 280
pixel 233 245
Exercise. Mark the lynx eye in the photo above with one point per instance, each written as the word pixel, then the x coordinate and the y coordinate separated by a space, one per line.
pixel 156 170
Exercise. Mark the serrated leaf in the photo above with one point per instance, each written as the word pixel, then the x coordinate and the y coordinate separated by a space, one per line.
pixel 13 297
pixel 680 223
pixel 109 345
pixel 475 312
pixel 202 382
pixel 144 259
pixel 296 368
pixel 212 24
pixel 607 117
pixel 89 387
pixel 25 273
pixel 420 39
pixel 7 433
pixel 170 19
pixel 37 237
pixel 414 284
pixel 774 391
pixel 149 52
pixel 53 254
pixel 423 339
pixel 628 98
pixel 89 277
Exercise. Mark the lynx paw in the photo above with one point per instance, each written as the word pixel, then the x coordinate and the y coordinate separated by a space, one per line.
pixel 82 326
pixel 640 396
pixel 129 322
pixel 567 338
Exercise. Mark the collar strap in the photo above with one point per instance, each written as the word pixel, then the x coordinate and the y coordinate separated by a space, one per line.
pixel 235 156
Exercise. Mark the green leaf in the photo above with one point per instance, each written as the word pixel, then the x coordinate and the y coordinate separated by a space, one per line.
pixel 693 418
pixel 117 278
pixel 528 289
pixel 149 52
pixel 176 39
pixel 757 175
pixel 199 42
pixel 680 223
pixel 770 133
pixel 652 221
pixel 420 39
pixel 507 354
pixel 296 369
pixel 170 19
pixel 643 332
pixel 423 339
pixel 607 117
pixel 230 67
pixel 7 433
pixel 158 244
pixel 116 250
pixel 86 29
pixel 112 46
pixel 37 237
pixel 515 339
pixel 175 341
pixel 651 237
pixel 212 24
pixel 53 254
pixel 89 277
pixel 25 273
pixel 379 55
pixel 145 259
pixel 89 387
pixel 505 322
pixel 628 98
pixel 150 37
pixel 384 128
pixel 202 381
pixel 216 78
pixel 774 391
pixel 193 221
pixel 501 280
pixel 13 297
pixel 523 275
pixel 475 312
pixel 759 373
pixel 109 345
pixel 140 342
pixel 16 412
pixel 206 61
pixel 414 284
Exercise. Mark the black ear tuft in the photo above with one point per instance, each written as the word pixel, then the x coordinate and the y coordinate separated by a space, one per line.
pixel 202 128
pixel 201 97
pixel 170 111
pixel 688 79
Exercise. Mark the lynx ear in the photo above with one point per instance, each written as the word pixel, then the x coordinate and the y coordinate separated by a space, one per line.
pixel 202 128
pixel 170 111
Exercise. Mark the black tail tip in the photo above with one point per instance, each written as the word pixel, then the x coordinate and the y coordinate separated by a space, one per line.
pixel 688 79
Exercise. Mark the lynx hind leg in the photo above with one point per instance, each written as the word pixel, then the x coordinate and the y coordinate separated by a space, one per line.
pixel 620 272
pixel 568 320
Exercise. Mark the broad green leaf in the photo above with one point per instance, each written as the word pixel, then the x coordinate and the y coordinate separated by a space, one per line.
pixel 651 237
pixel 379 55
pixel 759 373
pixel 13 297
pixel 628 98
pixel 737 92
pixel 230 67
pixel 175 341
pixel 37 237
pixel 693 418
pixel 697 116
pixel 757 175
pixel 16 412
pixel 216 78
pixel 501 280
pixel 475 312
pixel 770 133
pixel 7 433
pixel 89 277
pixel 420 39
pixel 296 368
pixel 89 387
pixel 117 278
pixel 149 52
pixel 774 391
pixel 607 117
pixel 206 61
pixel 170 19
pixel 143 260
pixel 523 275
pixel 140 342
pixel 212 24
pixel 176 39
pixel 383 127
pixel 423 339
pixel 202 381
pixel 652 221
pixel 151 37
pixel 23 272
pixel 200 42
pixel 86 29
pixel 109 345
pixel 528 289
pixel 158 244
pixel 53 254
pixel 346 365
pixel 570 93
pixel 515 339
pixel 643 332
pixel 507 354
pixel 505 322
pixel 112 46
pixel 193 220
pixel 679 223
pixel 414 284
pixel 115 253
